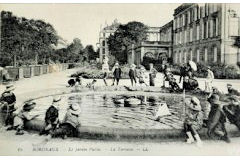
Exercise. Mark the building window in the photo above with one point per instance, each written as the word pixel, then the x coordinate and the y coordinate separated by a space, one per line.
pixel 205 30
pixel 185 57
pixel 189 56
pixel 180 57
pixel 202 30
pixel 191 34
pixel 176 57
pixel 189 17
pixel 197 36
pixel 211 27
pixel 215 54
pixel 195 14
pixel 201 56
pixel 183 20
pixel 205 54
pixel 206 9
pixel 198 55
pixel 216 27
pixel 203 11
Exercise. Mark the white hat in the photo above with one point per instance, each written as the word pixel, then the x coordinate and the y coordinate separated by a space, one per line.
pixel 75 109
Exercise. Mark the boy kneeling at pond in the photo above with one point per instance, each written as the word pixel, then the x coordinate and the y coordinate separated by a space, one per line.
pixel 22 117
pixel 193 121
pixel 70 124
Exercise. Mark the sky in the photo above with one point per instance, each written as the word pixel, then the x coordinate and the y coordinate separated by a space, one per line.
pixel 83 21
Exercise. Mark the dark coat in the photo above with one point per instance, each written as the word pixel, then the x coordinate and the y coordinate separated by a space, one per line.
pixel 51 115
pixel 117 73
pixel 233 92
pixel 216 119
pixel 10 98
pixel 233 114
pixel 132 73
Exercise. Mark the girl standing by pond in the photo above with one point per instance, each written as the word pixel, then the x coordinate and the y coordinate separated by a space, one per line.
pixel 193 121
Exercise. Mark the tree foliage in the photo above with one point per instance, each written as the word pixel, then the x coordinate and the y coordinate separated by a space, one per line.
pixel 121 41
pixel 25 38
pixel 90 52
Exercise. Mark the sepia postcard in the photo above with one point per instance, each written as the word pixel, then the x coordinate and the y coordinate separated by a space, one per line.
pixel 120 79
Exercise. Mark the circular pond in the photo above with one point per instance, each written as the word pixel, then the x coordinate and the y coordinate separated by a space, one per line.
pixel 106 110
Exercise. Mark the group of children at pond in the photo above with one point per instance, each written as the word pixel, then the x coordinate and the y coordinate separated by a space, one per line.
pixel 213 115
pixel 17 120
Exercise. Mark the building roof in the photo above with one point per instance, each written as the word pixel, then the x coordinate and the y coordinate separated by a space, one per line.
pixel 182 7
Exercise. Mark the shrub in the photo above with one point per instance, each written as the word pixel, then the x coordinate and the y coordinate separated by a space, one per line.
pixel 231 72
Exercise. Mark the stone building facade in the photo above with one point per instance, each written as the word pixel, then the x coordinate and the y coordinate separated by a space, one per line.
pixel 205 33
pixel 158 45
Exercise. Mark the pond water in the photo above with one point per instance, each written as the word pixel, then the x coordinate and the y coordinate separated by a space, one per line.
pixel 101 110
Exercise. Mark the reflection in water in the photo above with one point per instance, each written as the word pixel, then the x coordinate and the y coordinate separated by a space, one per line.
pixel 101 110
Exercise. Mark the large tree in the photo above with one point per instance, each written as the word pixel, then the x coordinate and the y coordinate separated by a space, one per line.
pixel 25 39
pixel 121 41
pixel 90 52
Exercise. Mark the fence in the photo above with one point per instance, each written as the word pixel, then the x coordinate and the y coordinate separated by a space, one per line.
pixel 16 73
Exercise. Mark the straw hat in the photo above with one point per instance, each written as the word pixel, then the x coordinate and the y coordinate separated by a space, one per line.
pixel 75 109
pixel 29 106
pixel 9 88
pixel 196 104
pixel 116 64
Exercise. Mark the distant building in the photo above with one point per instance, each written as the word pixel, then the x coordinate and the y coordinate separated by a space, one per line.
pixel 103 36
pixel 205 33
pixel 199 32
pixel 157 46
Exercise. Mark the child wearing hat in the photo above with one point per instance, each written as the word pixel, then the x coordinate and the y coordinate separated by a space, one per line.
pixel 7 104
pixel 217 120
pixel 51 116
pixel 116 73
pixel 193 121
pixel 232 111
pixel 22 117
pixel 70 124
pixel 232 91
pixel 132 74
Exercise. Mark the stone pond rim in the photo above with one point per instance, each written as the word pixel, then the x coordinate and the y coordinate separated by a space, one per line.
pixel 91 132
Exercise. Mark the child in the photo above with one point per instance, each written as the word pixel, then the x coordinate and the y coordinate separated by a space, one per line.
pixel 105 75
pixel 217 120
pixel 142 76
pixel 22 117
pixel 51 117
pixel 70 124
pixel 7 104
pixel 132 74
pixel 193 121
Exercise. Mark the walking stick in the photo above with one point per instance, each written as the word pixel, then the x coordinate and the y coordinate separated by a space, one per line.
pixel 184 106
